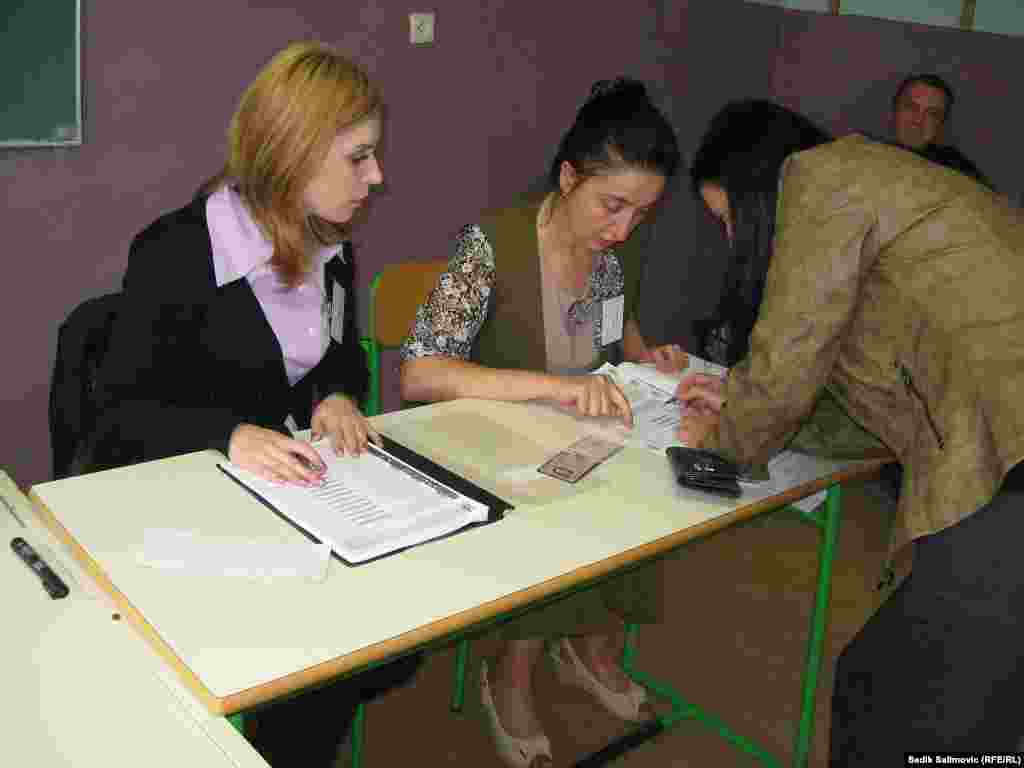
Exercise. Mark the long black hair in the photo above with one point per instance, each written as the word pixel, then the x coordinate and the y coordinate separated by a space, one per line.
pixel 742 151
pixel 617 127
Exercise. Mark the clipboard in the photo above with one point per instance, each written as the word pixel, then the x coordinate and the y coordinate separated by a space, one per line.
pixel 496 506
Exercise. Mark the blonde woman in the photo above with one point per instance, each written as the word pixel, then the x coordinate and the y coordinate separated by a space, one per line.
pixel 237 321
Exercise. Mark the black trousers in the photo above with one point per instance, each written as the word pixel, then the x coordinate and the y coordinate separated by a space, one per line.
pixel 306 730
pixel 940 666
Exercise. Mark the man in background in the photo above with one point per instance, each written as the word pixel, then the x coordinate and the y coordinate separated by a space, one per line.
pixel 920 111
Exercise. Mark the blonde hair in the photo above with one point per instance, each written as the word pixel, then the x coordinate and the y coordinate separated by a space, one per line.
pixel 279 137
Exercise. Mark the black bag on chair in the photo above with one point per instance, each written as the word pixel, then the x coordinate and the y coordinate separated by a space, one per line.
pixel 81 344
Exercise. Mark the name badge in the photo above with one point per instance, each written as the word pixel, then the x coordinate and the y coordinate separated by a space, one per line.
pixel 612 311
pixel 290 424
pixel 338 312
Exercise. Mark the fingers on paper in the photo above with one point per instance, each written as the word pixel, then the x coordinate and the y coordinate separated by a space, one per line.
pixel 600 396
pixel 345 426
pixel 276 457
pixel 669 358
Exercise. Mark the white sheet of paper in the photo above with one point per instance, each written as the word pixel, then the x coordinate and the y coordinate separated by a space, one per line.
pixel 667 382
pixel 790 468
pixel 655 423
pixel 198 555
pixel 612 312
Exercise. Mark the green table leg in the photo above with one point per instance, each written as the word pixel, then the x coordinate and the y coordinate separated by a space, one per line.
pixel 459 691
pixel 684 710
pixel 358 722
pixel 238 720
pixel 827 520
pixel 819 621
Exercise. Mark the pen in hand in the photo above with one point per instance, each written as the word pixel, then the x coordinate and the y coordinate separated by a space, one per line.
pixel 318 468
pixel 306 463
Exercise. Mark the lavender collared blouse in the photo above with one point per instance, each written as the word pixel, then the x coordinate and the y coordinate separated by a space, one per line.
pixel 240 249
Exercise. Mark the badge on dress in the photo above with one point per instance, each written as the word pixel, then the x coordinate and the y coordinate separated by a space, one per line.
pixel 612 311
pixel 338 312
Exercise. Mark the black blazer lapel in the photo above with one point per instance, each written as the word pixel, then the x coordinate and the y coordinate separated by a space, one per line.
pixel 241 339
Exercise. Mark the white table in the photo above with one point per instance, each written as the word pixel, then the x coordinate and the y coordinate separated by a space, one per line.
pixel 236 643
pixel 80 689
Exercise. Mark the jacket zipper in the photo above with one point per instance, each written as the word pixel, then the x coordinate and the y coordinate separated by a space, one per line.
pixel 912 389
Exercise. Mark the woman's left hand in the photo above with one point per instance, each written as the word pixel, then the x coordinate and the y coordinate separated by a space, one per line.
pixel 339 419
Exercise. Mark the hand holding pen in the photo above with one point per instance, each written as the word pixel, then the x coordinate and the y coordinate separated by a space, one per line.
pixel 703 391
pixel 701 397
pixel 701 383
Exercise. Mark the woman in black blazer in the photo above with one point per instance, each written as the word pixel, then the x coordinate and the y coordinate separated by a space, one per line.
pixel 237 322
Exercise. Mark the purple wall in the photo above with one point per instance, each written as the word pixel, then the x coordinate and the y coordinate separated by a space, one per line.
pixel 472 120
pixel 819 56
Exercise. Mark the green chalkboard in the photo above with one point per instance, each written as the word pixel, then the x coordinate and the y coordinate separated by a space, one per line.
pixel 40 79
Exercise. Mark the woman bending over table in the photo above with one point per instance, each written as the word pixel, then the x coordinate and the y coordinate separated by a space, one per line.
pixel 898 285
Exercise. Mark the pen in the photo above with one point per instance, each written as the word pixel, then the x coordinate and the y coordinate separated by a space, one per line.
pixel 52 583
pixel 308 464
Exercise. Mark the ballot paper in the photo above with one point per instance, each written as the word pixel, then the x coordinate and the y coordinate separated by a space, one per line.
pixel 369 505
pixel 651 393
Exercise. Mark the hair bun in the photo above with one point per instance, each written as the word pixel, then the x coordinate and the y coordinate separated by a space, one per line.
pixel 620 87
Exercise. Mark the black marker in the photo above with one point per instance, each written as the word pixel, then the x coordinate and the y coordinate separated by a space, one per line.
pixel 53 583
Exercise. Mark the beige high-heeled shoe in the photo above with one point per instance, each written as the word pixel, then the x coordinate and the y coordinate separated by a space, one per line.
pixel 627 705
pixel 516 753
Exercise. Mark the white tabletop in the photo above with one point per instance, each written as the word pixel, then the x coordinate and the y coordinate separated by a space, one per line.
pixel 81 689
pixel 235 642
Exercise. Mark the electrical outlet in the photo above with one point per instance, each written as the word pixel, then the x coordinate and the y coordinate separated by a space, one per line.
pixel 421 28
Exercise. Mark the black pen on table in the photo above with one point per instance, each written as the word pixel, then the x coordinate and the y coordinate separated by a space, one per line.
pixel 52 583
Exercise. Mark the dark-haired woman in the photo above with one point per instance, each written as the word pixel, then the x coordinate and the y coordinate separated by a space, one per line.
pixel 899 286
pixel 533 301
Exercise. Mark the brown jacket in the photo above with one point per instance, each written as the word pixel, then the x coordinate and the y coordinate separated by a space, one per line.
pixel 899 285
